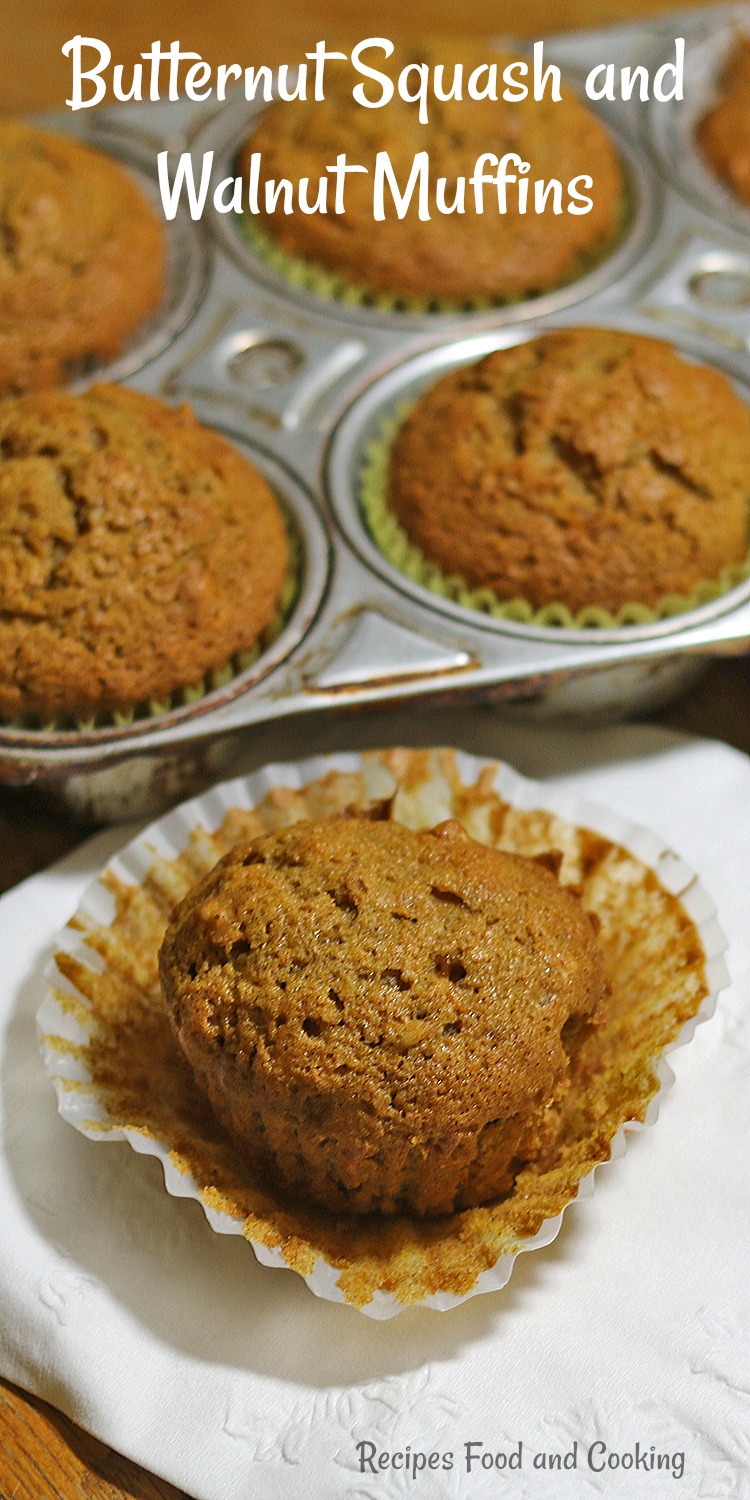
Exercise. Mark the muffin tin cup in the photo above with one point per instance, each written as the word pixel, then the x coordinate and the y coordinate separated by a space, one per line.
pixel 671 131
pixel 101 782
pixel 65 1021
pixel 299 379
pixel 370 420
pixel 226 134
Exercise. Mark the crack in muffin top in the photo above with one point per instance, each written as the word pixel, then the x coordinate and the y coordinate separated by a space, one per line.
pixel 427 973
pixel 587 466
pixel 138 551
pixel 81 257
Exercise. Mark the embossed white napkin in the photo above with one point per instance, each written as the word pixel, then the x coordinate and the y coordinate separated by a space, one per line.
pixel 615 1362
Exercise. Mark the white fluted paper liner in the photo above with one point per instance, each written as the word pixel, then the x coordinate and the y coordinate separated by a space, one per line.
pixel 427 786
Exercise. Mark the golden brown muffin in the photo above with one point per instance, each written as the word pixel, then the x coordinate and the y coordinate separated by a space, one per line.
pixel 724 131
pixel 138 550
pixel 585 467
pixel 382 1019
pixel 81 258
pixel 450 256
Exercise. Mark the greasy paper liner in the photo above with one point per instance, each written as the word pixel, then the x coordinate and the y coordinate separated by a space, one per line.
pixel 397 547
pixel 109 1051
pixel 212 682
pixel 331 286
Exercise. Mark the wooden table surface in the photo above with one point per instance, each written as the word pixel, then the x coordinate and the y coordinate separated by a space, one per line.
pixel 43 1456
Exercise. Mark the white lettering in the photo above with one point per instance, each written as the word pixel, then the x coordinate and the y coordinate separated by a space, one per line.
pixel 515 90
pixel 184 175
pixel 224 73
pixel 423 87
pixel 605 90
pixel 320 57
pixel 419 175
pixel 386 84
pixel 541 74
pixel 454 92
pixel 340 172
pixel 677 72
pixel 75 47
pixel 579 202
pixel 233 203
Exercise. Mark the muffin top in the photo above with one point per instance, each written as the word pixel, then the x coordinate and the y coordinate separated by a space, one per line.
pixel 138 550
pixel 585 467
pixel 724 132
pixel 427 976
pixel 500 257
pixel 81 257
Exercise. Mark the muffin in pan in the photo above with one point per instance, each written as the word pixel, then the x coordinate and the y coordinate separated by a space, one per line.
pixel 586 476
pixel 384 1020
pixel 723 133
pixel 450 259
pixel 139 551
pixel 81 258
pixel 119 1073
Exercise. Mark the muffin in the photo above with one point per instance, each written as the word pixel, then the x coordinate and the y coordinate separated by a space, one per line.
pixel 384 1020
pixel 724 131
pixel 138 551
pixel 119 1073
pixel 81 258
pixel 488 257
pixel 588 467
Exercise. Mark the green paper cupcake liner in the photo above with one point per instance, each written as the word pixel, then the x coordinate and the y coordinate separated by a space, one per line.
pixel 211 682
pixel 396 546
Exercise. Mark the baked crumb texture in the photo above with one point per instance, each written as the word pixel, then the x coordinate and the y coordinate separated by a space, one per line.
pixel 81 258
pixel 653 964
pixel 382 1018
pixel 459 256
pixel 588 467
pixel 724 131
pixel 138 550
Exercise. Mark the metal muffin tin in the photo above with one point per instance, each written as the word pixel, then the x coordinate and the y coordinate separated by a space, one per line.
pixel 301 382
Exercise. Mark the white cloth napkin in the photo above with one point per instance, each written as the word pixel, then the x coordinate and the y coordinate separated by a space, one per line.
pixel 625 1340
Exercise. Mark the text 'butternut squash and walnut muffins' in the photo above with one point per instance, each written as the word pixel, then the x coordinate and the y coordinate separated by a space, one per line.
pixel 384 1020
pixel 586 467
pixel 451 257
pixel 139 550
pixel 81 258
